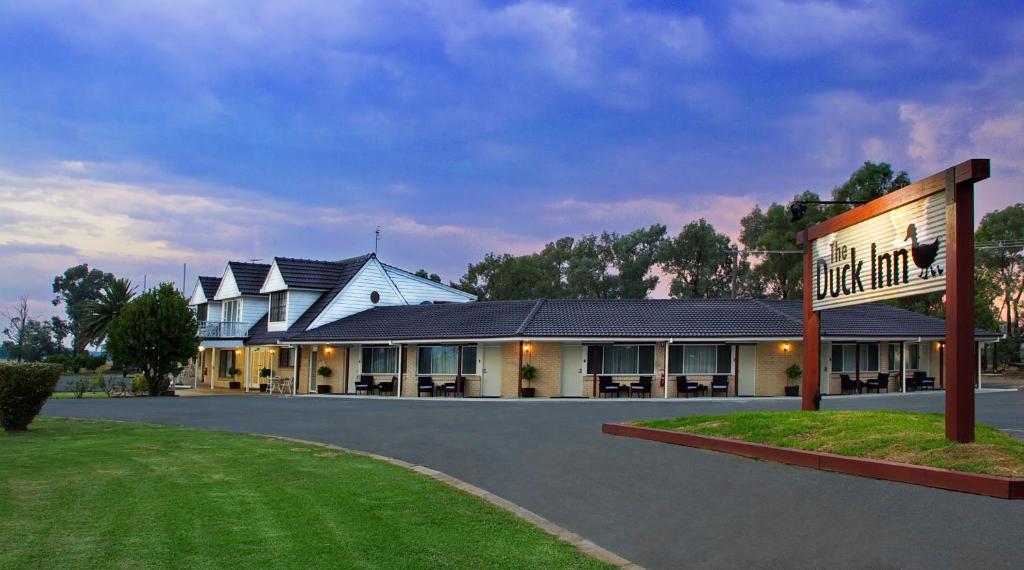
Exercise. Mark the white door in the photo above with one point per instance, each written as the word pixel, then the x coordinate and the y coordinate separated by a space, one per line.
pixel 572 371
pixel 311 373
pixel 490 378
pixel 824 376
pixel 747 369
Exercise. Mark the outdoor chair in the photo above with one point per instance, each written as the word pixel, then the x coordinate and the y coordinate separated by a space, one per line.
pixel 387 387
pixel 425 384
pixel 607 386
pixel 922 380
pixel 458 387
pixel 720 384
pixel 365 384
pixel 880 383
pixel 847 384
pixel 685 387
pixel 641 386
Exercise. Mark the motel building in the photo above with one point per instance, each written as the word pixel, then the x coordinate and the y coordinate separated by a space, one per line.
pixel 379 330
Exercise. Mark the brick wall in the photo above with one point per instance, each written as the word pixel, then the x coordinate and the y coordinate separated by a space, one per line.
pixel 772 362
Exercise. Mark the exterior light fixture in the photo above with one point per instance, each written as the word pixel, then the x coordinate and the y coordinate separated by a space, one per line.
pixel 202 348
pixel 785 347
pixel 527 347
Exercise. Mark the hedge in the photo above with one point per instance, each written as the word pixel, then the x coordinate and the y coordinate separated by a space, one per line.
pixel 24 388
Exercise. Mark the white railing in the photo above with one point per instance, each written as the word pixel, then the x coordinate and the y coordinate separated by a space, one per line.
pixel 222 329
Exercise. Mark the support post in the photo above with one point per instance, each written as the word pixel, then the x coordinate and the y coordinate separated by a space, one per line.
pixel 903 366
pixel 812 336
pixel 668 343
pixel 519 373
pixel 959 350
pixel 398 389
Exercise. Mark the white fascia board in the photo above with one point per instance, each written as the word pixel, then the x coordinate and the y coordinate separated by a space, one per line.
pixel 590 340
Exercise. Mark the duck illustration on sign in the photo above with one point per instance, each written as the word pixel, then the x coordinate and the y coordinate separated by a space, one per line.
pixel 923 254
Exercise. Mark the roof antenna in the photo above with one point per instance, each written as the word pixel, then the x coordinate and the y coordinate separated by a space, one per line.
pixel 376 239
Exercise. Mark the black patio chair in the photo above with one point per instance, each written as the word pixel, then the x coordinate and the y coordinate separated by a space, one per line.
pixel 848 384
pixel 607 386
pixel 425 384
pixel 923 380
pixel 719 384
pixel 641 386
pixel 388 386
pixel 365 384
pixel 685 387
pixel 456 388
pixel 880 383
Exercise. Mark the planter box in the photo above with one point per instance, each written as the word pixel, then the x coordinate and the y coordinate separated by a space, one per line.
pixel 264 387
pixel 235 385
pixel 323 388
pixel 529 392
pixel 792 390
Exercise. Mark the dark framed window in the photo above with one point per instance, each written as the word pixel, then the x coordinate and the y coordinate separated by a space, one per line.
pixel 620 359
pixel 278 306
pixel 226 361
pixel 869 358
pixel 844 358
pixel 437 360
pixel 380 360
pixel 914 356
pixel 700 359
pixel 894 356
pixel 284 358
pixel 469 360
pixel 202 311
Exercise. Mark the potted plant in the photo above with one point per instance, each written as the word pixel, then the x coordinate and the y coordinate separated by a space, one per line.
pixel 793 374
pixel 264 373
pixel 234 384
pixel 323 372
pixel 529 372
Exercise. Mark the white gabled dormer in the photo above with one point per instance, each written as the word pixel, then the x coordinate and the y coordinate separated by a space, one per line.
pixel 198 295
pixel 370 287
pixel 228 288
pixel 285 304
pixel 274 280
pixel 416 289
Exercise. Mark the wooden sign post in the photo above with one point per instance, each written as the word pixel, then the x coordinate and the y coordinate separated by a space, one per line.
pixel 918 239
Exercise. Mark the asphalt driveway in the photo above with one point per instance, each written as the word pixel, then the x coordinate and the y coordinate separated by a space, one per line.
pixel 659 505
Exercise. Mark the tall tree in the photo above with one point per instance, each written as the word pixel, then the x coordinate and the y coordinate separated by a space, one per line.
pixel 633 255
pixel 1000 257
pixel 768 236
pixel 432 276
pixel 156 332
pixel 100 313
pixel 76 289
pixel 17 319
pixel 27 338
pixel 700 261
pixel 872 180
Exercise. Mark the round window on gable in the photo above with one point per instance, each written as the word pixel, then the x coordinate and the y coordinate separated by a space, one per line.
pixel 375 297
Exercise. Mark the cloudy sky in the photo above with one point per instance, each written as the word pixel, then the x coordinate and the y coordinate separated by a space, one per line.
pixel 138 136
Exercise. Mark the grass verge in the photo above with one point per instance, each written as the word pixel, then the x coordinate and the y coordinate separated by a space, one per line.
pixel 904 437
pixel 84 494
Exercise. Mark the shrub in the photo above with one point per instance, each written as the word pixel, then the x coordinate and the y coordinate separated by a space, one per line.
pixel 89 362
pixel 81 385
pixel 64 360
pixel 529 372
pixel 24 389
pixel 324 371
pixel 264 373
pixel 105 384
pixel 793 373
pixel 139 384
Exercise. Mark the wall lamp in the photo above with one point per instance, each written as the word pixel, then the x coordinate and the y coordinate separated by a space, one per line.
pixel 786 347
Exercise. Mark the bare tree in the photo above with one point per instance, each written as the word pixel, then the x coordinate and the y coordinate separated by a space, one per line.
pixel 17 318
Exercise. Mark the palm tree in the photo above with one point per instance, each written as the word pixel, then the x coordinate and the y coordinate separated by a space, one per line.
pixel 100 313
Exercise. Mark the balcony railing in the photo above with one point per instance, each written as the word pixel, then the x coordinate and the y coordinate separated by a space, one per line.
pixel 222 329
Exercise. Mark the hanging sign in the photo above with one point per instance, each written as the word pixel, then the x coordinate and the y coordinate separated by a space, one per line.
pixel 894 254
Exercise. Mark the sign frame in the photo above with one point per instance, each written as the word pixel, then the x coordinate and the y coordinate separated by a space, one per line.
pixel 957 182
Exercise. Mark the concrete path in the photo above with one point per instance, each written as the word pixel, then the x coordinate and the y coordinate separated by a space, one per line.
pixel 658 505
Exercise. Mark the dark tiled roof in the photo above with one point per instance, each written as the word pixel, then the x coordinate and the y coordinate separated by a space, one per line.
pixel 249 276
pixel 209 285
pixel 644 318
pixel 318 275
pixel 428 321
pixel 259 334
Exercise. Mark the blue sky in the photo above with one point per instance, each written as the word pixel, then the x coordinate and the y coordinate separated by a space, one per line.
pixel 137 136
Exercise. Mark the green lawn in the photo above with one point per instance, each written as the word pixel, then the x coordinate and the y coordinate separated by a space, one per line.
pixel 86 494
pixel 905 437
pixel 72 395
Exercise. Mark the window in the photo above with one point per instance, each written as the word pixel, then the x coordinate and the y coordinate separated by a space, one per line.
pixel 232 311
pixel 700 359
pixel 894 356
pixel 202 311
pixel 469 360
pixel 380 360
pixel 844 358
pixel 439 360
pixel 284 358
pixel 226 362
pixel 278 306
pixel 620 359
pixel 869 358
pixel 914 356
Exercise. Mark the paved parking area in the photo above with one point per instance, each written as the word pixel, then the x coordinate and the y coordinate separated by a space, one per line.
pixel 661 506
